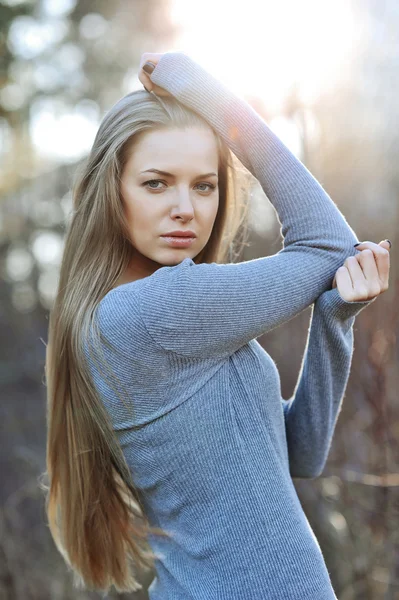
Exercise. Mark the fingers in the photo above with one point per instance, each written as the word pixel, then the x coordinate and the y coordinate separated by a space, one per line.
pixel 145 80
pixel 153 57
pixel 377 249
pixel 386 244
pixel 380 254
pixel 365 275
pixel 144 77
pixel 343 282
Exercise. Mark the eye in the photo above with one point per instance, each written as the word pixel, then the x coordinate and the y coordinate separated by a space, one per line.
pixel 210 186
pixel 145 184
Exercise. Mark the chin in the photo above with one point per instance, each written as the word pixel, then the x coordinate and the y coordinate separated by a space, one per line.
pixel 172 262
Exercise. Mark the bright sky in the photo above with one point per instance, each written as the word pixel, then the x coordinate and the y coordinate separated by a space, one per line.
pixel 261 48
pixel 257 48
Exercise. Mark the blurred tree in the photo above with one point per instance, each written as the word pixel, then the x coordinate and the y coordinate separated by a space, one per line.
pixel 63 63
pixel 59 59
pixel 58 54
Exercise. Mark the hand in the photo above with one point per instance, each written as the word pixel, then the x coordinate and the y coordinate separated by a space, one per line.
pixel 364 276
pixel 145 78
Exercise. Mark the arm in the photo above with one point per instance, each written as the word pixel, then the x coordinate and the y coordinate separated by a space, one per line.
pixel 312 412
pixel 209 310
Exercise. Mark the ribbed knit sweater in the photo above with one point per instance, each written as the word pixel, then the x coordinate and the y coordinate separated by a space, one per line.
pixel 212 445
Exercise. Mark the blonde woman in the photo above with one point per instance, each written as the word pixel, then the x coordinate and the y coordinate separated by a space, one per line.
pixel 169 444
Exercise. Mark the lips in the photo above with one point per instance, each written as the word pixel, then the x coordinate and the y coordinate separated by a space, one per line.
pixel 187 233
pixel 178 241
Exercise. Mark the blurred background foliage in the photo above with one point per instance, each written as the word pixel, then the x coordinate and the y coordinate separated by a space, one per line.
pixel 63 64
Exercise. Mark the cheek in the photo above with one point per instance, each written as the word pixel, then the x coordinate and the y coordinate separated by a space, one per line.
pixel 214 210
pixel 136 205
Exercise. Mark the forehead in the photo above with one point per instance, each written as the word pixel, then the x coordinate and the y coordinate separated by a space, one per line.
pixel 175 149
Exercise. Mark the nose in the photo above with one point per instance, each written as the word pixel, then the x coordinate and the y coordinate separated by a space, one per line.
pixel 183 205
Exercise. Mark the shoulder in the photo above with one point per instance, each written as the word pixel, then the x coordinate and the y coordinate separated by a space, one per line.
pixel 168 285
pixel 121 314
pixel 118 308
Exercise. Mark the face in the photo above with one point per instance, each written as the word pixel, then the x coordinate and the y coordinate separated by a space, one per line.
pixel 184 197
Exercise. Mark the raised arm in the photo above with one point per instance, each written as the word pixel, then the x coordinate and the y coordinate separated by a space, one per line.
pixel 291 188
pixel 212 309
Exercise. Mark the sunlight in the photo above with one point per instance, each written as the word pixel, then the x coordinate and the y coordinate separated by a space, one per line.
pixel 257 49
pixel 262 49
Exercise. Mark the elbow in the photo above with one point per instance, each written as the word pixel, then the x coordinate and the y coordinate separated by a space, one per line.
pixel 341 243
pixel 347 243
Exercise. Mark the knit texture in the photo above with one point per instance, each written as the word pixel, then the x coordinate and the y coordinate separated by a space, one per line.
pixel 211 443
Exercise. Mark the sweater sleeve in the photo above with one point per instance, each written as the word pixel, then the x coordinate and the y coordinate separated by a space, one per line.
pixel 211 309
pixel 312 412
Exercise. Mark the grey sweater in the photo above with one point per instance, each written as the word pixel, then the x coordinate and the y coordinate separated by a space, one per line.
pixel 211 443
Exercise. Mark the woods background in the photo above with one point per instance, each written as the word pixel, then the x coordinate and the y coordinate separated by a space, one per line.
pixel 63 64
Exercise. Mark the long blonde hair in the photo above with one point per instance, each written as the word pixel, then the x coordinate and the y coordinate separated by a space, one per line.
pixel 94 512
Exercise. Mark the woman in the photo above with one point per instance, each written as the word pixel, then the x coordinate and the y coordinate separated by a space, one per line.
pixel 169 444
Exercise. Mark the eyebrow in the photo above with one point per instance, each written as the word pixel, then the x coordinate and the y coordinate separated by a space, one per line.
pixel 171 174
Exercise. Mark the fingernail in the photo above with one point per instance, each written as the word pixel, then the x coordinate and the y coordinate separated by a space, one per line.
pixel 357 244
pixel 389 242
pixel 148 67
